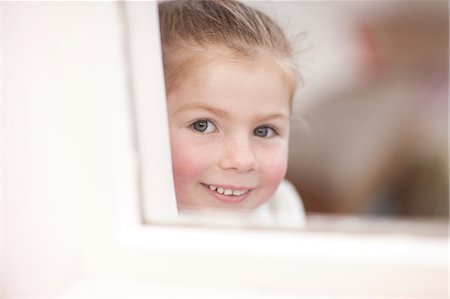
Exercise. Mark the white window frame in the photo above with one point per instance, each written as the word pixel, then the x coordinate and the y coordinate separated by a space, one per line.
pixel 159 204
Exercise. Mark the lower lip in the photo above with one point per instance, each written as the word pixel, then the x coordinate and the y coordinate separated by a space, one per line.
pixel 230 199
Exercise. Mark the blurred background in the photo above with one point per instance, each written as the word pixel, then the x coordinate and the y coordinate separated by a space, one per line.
pixel 369 128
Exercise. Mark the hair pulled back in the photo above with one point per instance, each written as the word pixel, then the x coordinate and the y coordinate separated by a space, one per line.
pixel 199 28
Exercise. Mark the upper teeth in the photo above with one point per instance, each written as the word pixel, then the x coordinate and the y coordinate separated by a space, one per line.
pixel 227 191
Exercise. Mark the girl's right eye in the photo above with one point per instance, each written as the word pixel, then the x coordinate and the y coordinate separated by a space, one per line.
pixel 203 126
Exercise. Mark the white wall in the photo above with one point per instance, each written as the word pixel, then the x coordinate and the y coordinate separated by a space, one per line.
pixel 64 120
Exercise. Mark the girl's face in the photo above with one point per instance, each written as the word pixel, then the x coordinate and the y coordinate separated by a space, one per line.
pixel 229 128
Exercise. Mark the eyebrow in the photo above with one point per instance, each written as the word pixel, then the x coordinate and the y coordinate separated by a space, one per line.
pixel 198 106
pixel 272 116
pixel 224 114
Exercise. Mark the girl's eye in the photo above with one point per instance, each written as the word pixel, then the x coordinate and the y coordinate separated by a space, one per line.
pixel 264 132
pixel 203 126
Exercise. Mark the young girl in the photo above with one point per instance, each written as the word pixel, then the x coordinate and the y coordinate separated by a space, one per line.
pixel 230 82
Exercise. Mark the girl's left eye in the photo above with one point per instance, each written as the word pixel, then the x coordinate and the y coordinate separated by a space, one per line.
pixel 264 132
pixel 203 126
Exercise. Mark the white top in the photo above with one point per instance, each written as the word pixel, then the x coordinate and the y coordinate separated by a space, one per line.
pixel 284 210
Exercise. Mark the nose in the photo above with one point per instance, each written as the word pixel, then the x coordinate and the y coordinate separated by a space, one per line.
pixel 238 154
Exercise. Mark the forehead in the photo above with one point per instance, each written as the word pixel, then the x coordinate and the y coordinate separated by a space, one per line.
pixel 257 84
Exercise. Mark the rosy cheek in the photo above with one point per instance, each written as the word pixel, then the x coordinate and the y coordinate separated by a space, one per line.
pixel 272 173
pixel 184 165
pixel 277 173
pixel 188 163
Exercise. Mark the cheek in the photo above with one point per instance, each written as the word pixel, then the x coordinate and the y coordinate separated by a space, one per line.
pixel 273 171
pixel 188 163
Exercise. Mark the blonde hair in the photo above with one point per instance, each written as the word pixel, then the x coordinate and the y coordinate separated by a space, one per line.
pixel 195 28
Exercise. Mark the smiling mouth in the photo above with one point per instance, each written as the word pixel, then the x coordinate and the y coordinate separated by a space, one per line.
pixel 228 192
pixel 223 192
